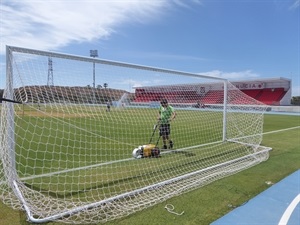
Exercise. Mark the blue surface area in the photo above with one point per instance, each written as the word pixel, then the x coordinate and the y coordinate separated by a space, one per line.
pixel 278 205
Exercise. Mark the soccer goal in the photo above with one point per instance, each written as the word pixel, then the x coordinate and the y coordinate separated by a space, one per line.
pixel 68 141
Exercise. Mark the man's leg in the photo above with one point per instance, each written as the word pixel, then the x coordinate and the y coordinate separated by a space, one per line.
pixel 164 135
pixel 168 137
pixel 165 142
pixel 171 144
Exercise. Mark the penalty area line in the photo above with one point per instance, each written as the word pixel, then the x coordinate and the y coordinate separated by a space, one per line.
pixel 276 131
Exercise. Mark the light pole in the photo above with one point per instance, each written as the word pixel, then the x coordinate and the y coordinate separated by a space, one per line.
pixel 94 53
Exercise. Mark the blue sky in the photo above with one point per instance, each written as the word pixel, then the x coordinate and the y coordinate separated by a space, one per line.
pixel 234 39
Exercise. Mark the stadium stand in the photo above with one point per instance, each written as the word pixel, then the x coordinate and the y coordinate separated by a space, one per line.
pixel 252 93
pixel 213 97
pixel 271 96
pixel 273 91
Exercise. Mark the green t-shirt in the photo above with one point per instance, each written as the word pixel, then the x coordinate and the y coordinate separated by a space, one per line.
pixel 165 113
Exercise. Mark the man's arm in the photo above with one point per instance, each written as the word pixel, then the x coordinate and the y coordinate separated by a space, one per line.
pixel 173 116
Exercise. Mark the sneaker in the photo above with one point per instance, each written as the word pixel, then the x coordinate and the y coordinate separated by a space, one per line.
pixel 165 147
pixel 171 144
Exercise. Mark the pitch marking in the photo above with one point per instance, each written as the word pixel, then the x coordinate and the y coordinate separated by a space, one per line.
pixel 289 210
pixel 276 131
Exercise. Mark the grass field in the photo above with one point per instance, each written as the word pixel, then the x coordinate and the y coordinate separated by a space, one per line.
pixel 206 204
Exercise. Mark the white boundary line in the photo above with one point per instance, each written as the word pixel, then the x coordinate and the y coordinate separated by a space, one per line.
pixel 289 210
pixel 276 131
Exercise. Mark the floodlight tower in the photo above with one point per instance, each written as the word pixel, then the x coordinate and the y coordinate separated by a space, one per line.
pixel 50 72
pixel 94 53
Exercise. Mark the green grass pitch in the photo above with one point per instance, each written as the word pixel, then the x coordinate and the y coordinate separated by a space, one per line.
pixel 232 190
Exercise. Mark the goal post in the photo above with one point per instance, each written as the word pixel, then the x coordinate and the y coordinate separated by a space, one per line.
pixel 67 148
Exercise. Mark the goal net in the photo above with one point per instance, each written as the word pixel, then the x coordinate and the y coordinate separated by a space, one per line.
pixel 75 131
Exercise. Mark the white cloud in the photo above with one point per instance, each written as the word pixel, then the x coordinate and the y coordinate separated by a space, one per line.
pixel 133 83
pixel 185 3
pixel 49 25
pixel 295 5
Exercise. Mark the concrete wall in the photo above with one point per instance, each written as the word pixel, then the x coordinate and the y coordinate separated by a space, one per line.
pixel 293 109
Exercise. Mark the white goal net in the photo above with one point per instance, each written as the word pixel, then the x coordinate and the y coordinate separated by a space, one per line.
pixel 82 140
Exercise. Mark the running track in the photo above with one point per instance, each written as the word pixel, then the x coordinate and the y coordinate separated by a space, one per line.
pixel 278 205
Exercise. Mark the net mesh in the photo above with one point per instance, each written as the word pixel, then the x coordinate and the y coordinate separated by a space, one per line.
pixel 66 148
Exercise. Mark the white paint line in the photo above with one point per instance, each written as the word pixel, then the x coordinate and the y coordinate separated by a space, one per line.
pixel 289 210
pixel 276 131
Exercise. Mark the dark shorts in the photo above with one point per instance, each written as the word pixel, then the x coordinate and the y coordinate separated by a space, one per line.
pixel 164 129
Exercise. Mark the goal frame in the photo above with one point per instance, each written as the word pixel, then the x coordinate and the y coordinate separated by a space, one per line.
pixel 14 180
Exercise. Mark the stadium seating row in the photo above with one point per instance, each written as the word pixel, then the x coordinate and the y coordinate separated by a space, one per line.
pixel 269 96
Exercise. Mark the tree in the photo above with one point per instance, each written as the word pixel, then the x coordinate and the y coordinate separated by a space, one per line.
pixel 105 85
pixel 295 100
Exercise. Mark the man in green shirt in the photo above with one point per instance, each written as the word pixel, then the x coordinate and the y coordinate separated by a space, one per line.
pixel 165 115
